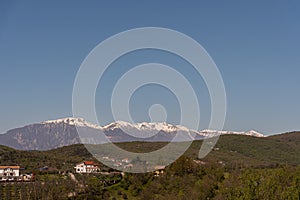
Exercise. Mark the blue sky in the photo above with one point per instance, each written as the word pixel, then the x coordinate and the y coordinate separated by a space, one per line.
pixel 255 44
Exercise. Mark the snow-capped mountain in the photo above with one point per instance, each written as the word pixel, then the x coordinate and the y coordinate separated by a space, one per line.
pixel 62 132
pixel 145 126
pixel 73 121
pixel 209 133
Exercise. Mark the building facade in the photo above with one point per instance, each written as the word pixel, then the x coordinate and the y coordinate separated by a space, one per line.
pixel 9 171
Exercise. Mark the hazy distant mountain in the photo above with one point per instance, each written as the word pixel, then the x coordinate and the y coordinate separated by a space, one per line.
pixel 62 132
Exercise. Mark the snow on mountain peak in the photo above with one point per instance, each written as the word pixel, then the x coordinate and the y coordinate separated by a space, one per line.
pixel 116 125
pixel 80 122
pixel 254 133
pixel 209 133
pixel 148 127
pixel 145 126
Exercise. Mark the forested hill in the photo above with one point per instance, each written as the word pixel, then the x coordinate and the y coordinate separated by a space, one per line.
pixel 239 167
pixel 231 150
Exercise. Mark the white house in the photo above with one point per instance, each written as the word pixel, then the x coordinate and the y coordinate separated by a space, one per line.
pixel 9 171
pixel 159 170
pixel 87 167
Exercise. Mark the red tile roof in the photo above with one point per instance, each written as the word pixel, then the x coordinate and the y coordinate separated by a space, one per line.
pixel 12 167
pixel 89 163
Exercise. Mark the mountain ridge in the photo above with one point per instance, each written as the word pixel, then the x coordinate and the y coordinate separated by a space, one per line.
pixel 140 125
pixel 51 134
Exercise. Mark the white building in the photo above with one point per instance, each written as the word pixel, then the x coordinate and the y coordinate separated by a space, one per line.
pixel 87 167
pixel 9 171
pixel 159 170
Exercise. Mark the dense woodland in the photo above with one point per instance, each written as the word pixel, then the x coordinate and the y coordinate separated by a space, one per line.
pixel 240 167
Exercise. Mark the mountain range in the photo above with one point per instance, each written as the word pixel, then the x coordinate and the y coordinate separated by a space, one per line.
pixel 67 131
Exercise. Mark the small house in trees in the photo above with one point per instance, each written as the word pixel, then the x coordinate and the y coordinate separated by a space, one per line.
pixel 87 167
pixel 159 170
pixel 9 171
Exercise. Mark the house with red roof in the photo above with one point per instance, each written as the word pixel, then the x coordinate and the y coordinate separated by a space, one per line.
pixel 87 167
pixel 9 171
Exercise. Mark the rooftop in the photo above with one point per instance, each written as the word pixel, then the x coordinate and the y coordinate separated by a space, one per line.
pixel 12 167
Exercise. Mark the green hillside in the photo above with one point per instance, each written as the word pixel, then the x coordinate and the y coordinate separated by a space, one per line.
pixel 252 151
pixel 231 150
pixel 239 167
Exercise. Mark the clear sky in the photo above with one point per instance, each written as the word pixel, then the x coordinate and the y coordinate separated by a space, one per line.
pixel 255 44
